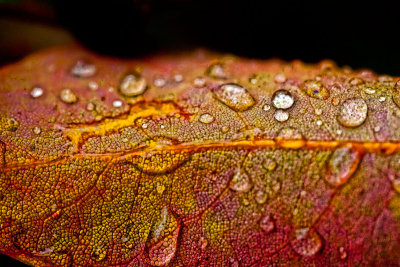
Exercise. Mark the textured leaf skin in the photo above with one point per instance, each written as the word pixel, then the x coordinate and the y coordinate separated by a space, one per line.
pixel 149 183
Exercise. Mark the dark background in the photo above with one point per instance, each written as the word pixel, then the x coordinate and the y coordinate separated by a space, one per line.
pixel 358 35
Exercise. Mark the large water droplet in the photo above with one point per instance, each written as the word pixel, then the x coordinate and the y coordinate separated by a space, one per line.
pixel 67 96
pixel 217 70
pixel 83 69
pixel 163 241
pixel 132 84
pixel 353 112
pixel 396 93
pixel 342 164
pixel 206 118
pixel 307 242
pixel 234 96
pixel 240 182
pixel 267 224
pixel 281 115
pixel 282 99
pixel 315 89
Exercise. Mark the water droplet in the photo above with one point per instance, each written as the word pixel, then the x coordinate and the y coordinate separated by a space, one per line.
pixel 396 93
pixel 36 130
pixel 225 129
pixel 261 197
pixel 67 96
pixel 382 99
pixel 369 90
pixel 160 188
pixel 342 164
pixel 199 82
pixel 162 126
pixel 216 70
pixel 253 80
pixel 269 164
pixel 90 106
pixel 318 111
pixel 353 112
pixel 335 101
pixel 267 224
pixel 159 82
pixel 178 78
pixel 276 186
pixel 206 118
pixel 266 107
pixel 117 103
pixel 343 253
pixel 339 132
pixel 356 81
pixel 234 96
pixel 315 89
pixel 132 85
pixel 36 92
pixel 83 69
pixel 93 85
pixel 377 128
pixel 307 242
pixel 280 78
pixel 282 99
pixel 289 133
pixel 100 253
pixel 240 182
pixel 9 124
pixel 144 125
pixel 281 115
pixel 319 122
pixel 161 247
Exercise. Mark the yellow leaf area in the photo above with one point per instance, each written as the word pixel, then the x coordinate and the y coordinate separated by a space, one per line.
pixel 181 205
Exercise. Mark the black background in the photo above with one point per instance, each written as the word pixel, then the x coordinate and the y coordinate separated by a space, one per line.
pixel 358 35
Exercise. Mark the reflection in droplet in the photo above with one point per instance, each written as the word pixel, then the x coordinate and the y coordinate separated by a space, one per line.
pixel 307 242
pixel 132 85
pixel 282 99
pixel 36 92
pixel 216 70
pixel 315 89
pixel 83 69
pixel 353 112
pixel 281 115
pixel 342 164
pixel 67 96
pixel 234 96
pixel 240 181
pixel 206 118
pixel 267 224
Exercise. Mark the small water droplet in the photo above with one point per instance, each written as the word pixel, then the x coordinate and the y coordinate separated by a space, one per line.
pixel 282 99
pixel 90 106
pixel 160 188
pixel 269 164
pixel 353 112
pixel 225 129
pixel 315 89
pixel 36 130
pixel 369 90
pixel 281 115
pixel 199 82
pixel 261 196
pixel 280 78
pixel 307 242
pixel 206 118
pixel 303 193
pixel 240 182
pixel 67 96
pixel 132 85
pixel 93 85
pixel 144 125
pixel 253 80
pixel 267 224
pixel 335 101
pixel 162 126
pixel 319 122
pixel 234 96
pixel 276 186
pixel 339 132
pixel 217 71
pixel 343 253
pixel 83 69
pixel 377 128
pixel 382 99
pixel 117 103
pixel 342 164
pixel 178 78
pixel 318 111
pixel 160 82
pixel 266 107
pixel 36 92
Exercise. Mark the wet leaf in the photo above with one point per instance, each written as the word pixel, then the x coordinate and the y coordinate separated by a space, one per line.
pixel 179 166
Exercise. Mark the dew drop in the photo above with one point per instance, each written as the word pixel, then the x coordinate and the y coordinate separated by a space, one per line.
pixel 36 92
pixel 342 164
pixel 206 118
pixel 281 115
pixel 382 99
pixel 315 89
pixel 282 99
pixel 132 85
pixel 217 71
pixel 225 129
pixel 353 112
pixel 117 103
pixel 318 111
pixel 261 197
pixel 307 242
pixel 396 93
pixel 240 182
pixel 161 247
pixel 369 90
pixel 178 78
pixel 199 82
pixel 159 82
pixel 93 85
pixel 234 96
pixel 266 107
pixel 160 188
pixel 36 130
pixel 377 128
pixel 280 78
pixel 319 122
pixel 67 96
pixel 343 253
pixel 90 106
pixel 339 132
pixel 276 186
pixel 83 69
pixel 335 101
pixel 267 224
pixel 144 125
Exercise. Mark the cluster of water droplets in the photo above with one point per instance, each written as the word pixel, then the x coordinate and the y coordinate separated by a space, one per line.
pixel 282 100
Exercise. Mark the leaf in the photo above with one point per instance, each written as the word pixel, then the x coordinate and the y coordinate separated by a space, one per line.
pixel 157 162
